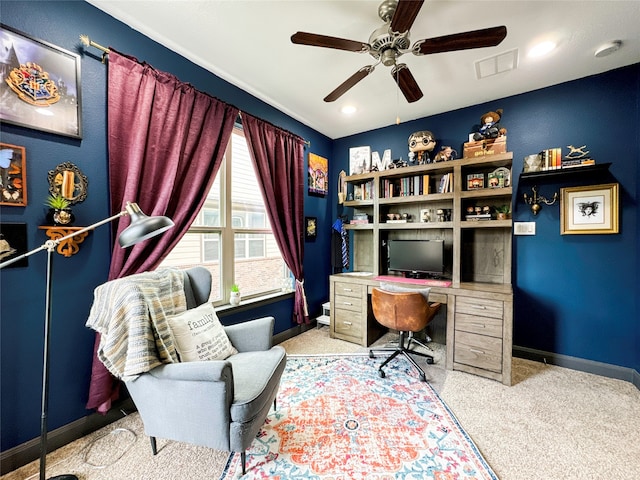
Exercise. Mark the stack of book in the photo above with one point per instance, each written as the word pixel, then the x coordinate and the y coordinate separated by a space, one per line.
pixel 577 162
pixel 359 219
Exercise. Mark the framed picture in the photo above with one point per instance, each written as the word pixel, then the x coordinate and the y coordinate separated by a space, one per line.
pixel 310 228
pixel 589 210
pixel 13 242
pixel 359 160
pixel 13 175
pixel 318 175
pixel 41 87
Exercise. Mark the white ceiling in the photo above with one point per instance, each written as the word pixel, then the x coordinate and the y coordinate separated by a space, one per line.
pixel 247 43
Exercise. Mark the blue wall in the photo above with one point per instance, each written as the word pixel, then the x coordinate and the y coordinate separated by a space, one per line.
pixel 22 289
pixel 575 295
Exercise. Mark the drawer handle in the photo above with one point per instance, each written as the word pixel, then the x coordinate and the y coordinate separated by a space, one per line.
pixel 348 290
pixel 479 325
pixel 347 303
pixel 481 307
pixel 477 351
pixel 347 323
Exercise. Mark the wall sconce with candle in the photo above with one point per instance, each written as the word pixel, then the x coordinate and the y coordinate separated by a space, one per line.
pixel 536 200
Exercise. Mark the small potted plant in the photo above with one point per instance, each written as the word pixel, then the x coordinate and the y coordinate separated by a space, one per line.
pixel 502 212
pixel 234 298
pixel 59 210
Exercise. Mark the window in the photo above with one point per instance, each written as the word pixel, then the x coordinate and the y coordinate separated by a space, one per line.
pixel 242 250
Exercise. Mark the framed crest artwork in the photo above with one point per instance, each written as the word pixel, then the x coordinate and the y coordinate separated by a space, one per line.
pixel 589 210
pixel 41 89
pixel 13 175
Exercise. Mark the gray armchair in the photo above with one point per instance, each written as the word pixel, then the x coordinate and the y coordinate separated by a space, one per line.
pixel 219 404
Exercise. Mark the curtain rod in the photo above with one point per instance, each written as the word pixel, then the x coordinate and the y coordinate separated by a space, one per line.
pixel 90 43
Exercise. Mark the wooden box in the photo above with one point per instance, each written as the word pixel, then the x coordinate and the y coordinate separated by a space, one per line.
pixel 485 147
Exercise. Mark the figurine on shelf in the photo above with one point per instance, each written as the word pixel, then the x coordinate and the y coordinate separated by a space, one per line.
pixel 445 153
pixel 489 126
pixel 420 144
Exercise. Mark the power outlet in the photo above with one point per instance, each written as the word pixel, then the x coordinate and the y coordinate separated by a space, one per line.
pixel 524 228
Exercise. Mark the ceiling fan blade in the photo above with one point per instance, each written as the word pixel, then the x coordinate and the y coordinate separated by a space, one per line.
pixel 405 14
pixel 315 40
pixel 348 83
pixel 407 83
pixel 487 37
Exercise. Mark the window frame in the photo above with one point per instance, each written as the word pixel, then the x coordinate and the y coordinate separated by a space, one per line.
pixel 227 232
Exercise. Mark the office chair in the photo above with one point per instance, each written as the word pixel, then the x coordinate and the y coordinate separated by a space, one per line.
pixel 408 313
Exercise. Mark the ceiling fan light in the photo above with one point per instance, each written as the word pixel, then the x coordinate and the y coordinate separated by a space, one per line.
pixel 348 110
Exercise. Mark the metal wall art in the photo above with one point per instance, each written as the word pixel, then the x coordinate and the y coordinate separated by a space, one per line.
pixel 42 85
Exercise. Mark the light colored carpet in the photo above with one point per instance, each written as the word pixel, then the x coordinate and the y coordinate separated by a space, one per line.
pixel 553 423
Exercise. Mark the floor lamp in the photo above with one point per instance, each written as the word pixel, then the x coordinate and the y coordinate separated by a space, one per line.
pixel 141 228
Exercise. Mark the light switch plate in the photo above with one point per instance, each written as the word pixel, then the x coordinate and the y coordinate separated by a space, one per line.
pixel 524 228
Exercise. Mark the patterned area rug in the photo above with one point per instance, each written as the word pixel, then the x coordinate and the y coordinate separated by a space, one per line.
pixel 338 420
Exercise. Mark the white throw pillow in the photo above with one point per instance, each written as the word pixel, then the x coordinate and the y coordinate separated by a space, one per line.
pixel 199 335
pixel 394 287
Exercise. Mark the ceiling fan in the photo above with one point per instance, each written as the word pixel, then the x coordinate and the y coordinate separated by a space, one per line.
pixel 390 41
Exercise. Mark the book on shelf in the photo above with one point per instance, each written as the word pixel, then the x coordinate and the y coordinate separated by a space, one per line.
pixel 477 217
pixel 405 186
pixel 579 162
pixel 446 183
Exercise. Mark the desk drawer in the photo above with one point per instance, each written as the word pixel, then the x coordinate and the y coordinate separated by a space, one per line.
pixel 480 306
pixel 478 351
pixel 480 325
pixel 346 323
pixel 348 289
pixel 342 302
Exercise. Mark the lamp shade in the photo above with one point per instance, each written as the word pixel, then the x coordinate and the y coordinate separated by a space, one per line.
pixel 142 226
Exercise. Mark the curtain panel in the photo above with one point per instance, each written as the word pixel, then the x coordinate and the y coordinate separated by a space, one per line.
pixel 166 143
pixel 278 156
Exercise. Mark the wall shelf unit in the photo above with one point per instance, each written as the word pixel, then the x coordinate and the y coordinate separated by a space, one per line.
pixel 552 175
pixel 454 202
pixel 477 258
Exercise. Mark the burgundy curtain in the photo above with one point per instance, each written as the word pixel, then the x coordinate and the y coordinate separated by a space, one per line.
pixel 166 143
pixel 279 159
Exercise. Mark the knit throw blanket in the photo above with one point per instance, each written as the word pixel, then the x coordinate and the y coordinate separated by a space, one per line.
pixel 130 315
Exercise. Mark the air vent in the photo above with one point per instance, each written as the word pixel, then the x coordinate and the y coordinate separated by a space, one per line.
pixel 500 63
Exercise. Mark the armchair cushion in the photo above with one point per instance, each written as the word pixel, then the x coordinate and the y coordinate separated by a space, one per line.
pixel 198 335
pixel 256 376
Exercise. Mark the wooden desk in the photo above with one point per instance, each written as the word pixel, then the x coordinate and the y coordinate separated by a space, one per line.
pixel 479 321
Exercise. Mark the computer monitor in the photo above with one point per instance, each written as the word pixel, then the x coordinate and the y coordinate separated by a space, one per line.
pixel 416 258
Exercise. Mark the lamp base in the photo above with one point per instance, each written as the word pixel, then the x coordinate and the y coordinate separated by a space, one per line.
pixel 66 476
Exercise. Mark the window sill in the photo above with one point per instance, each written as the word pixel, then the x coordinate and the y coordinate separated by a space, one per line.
pixel 227 309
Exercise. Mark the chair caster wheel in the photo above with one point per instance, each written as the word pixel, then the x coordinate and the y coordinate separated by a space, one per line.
pixel 381 373
pixel 371 354
pixel 430 361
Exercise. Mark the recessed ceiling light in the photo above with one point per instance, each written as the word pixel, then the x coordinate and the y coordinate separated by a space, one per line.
pixel 608 48
pixel 44 111
pixel 348 109
pixel 542 49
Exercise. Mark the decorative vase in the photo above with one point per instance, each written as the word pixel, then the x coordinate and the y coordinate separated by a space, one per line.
pixel 502 216
pixel 61 216
pixel 234 299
